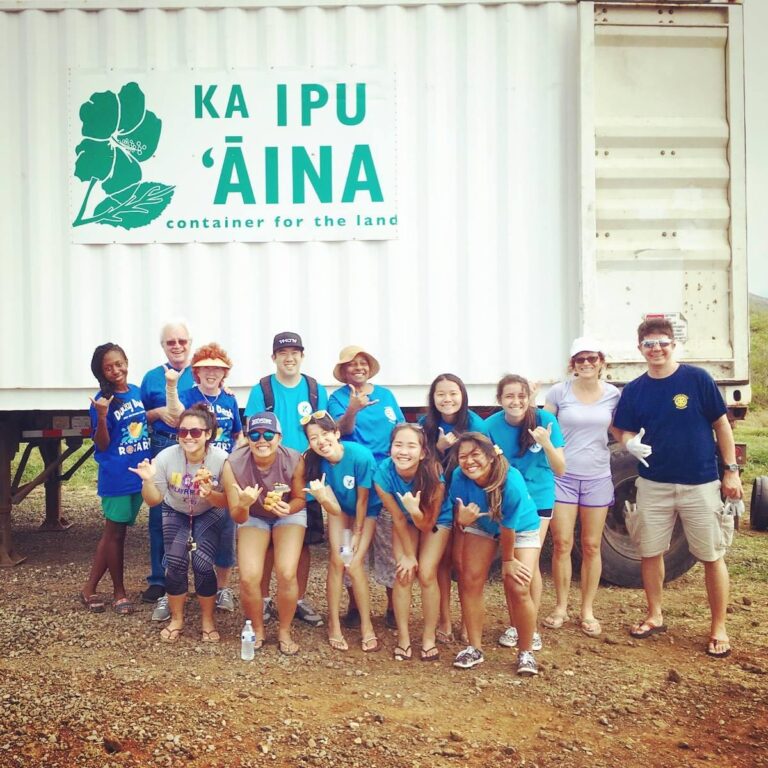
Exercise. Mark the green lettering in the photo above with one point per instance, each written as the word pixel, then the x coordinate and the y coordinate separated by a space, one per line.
pixel 362 160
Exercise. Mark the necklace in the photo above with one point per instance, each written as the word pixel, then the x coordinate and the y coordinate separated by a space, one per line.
pixel 210 402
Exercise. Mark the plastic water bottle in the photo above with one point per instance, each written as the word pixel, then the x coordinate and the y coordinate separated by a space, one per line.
pixel 346 548
pixel 247 642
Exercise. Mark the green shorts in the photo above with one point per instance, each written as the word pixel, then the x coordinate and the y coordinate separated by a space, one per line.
pixel 122 509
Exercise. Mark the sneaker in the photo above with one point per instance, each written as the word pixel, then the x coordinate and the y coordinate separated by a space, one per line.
pixel 468 658
pixel 526 664
pixel 162 612
pixel 351 619
pixel 152 593
pixel 307 613
pixel 536 644
pixel 268 611
pixel 509 638
pixel 225 600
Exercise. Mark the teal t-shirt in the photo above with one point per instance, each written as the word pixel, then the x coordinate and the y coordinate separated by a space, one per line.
pixel 355 470
pixel 518 511
pixel 388 480
pixel 533 464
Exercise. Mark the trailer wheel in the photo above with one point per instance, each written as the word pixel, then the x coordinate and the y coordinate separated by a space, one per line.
pixel 621 561
pixel 758 506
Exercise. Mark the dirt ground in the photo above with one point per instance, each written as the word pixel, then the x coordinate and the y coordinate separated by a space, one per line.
pixel 102 690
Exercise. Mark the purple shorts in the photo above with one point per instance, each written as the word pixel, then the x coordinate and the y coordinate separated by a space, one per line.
pixel 586 492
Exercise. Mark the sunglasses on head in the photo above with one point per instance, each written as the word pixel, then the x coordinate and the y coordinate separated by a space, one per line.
pixel 267 434
pixel 651 343
pixel 194 432
pixel 313 417
pixel 581 359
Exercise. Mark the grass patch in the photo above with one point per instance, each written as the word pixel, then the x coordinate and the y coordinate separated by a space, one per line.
pixel 748 557
pixel 758 358
pixel 85 477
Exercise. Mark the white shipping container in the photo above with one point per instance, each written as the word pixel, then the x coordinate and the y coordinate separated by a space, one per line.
pixel 561 167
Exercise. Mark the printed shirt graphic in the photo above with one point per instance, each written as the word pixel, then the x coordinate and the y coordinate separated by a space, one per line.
pixel 224 408
pixel 533 464
pixel 518 510
pixel 388 480
pixel 175 478
pixel 373 425
pixel 677 413
pixel 128 444
pixel 355 470
pixel 291 403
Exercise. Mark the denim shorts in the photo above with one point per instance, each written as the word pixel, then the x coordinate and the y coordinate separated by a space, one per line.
pixel 267 524
pixel 523 539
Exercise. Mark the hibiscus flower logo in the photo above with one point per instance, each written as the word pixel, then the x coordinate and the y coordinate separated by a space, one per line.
pixel 119 135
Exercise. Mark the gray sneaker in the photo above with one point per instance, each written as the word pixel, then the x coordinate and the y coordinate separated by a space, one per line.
pixel 268 611
pixel 162 612
pixel 508 638
pixel 468 658
pixel 225 600
pixel 307 613
pixel 526 664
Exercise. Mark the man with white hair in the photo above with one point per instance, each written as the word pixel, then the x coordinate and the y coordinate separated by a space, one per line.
pixel 176 342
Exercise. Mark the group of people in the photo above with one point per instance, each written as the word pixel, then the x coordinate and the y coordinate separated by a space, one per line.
pixel 412 501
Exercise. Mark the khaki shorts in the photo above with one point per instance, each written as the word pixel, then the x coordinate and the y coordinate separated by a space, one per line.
pixel 701 511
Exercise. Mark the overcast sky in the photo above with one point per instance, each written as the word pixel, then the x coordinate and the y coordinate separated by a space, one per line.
pixel 755 45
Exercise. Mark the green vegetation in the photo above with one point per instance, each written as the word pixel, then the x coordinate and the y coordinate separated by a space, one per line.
pixel 85 477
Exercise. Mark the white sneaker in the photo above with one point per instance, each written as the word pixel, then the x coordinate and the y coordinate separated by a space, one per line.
pixel 509 637
pixel 162 612
pixel 468 658
pixel 526 664
pixel 536 644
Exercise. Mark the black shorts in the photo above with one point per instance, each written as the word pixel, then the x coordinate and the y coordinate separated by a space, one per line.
pixel 315 532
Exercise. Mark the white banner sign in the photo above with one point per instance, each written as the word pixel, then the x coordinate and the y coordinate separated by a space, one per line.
pixel 251 156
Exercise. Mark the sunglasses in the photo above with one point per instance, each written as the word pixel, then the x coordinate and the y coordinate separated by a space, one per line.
pixel 194 432
pixel 313 417
pixel 591 359
pixel 267 434
pixel 176 342
pixel 651 343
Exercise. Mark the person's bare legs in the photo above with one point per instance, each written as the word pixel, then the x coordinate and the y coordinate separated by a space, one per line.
pixel 302 572
pixel 592 524
pixel 652 571
pixel 536 586
pixel 444 625
pixel 287 541
pixel 717 583
pixel 401 592
pixel 477 556
pixel 432 546
pixel 563 525
pixel 521 597
pixel 252 547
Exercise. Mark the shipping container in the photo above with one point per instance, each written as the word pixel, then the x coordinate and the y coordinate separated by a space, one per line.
pixel 469 187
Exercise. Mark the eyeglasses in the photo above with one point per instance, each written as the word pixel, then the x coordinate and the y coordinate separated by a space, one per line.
pixel 591 359
pixel 316 415
pixel 267 434
pixel 651 343
pixel 176 342
pixel 194 432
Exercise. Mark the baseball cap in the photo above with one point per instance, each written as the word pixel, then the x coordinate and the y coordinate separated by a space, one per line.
pixel 286 339
pixel 585 344
pixel 263 420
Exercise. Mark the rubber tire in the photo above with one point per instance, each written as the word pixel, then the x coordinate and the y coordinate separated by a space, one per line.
pixel 758 506
pixel 621 561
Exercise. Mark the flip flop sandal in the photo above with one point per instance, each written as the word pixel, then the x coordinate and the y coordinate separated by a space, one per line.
pixel 445 638
pixel 123 606
pixel 212 636
pixel 168 635
pixel 591 627
pixel 555 620
pixel 288 648
pixel 430 654
pixel 93 603
pixel 715 644
pixel 370 644
pixel 338 643
pixel 402 654
pixel 650 629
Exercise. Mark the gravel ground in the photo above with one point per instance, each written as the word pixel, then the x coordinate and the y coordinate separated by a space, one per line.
pixel 78 689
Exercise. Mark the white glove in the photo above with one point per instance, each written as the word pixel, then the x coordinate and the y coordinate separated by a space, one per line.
pixel 734 507
pixel 638 449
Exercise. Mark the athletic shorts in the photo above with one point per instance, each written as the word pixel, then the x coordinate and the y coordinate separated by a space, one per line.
pixel 700 509
pixel 121 509
pixel 545 514
pixel 297 518
pixel 586 492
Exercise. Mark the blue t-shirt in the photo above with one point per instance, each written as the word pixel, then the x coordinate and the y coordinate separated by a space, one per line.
pixel 355 470
pixel 533 464
pixel 388 480
pixel 373 424
pixel 153 393
pixel 677 413
pixel 475 423
pixel 291 403
pixel 224 408
pixel 518 511
pixel 128 444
